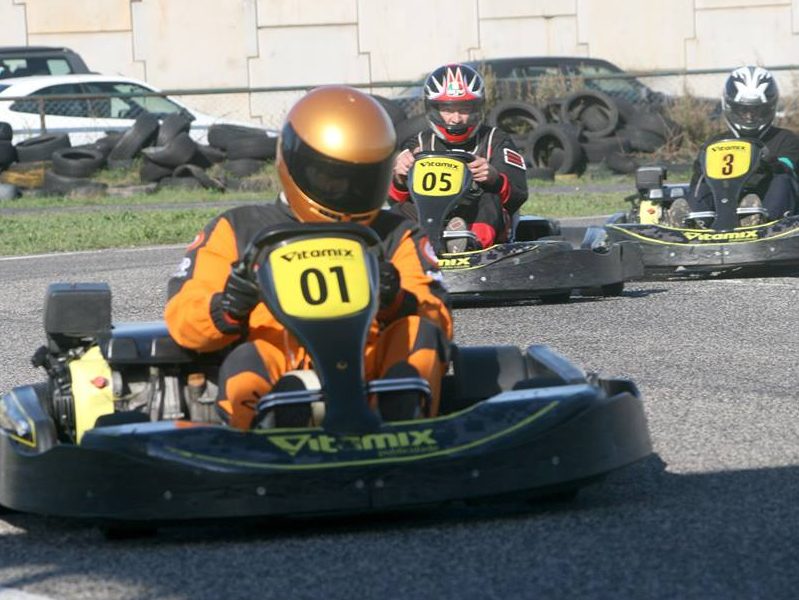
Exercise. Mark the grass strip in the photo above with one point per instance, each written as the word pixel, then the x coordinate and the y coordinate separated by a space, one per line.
pixel 574 204
pixel 64 232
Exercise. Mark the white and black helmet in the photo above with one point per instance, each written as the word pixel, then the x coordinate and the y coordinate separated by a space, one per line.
pixel 749 101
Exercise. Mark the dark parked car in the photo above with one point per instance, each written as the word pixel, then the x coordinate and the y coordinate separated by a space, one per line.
pixel 518 76
pixel 24 61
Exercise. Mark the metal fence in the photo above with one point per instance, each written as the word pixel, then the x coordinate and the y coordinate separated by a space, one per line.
pixel 88 115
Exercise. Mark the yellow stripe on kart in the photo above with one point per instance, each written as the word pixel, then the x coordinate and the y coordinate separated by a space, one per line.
pixel 374 461
pixel 631 233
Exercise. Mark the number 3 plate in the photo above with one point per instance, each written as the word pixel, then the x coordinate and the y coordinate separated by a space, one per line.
pixel 437 176
pixel 727 160
pixel 321 278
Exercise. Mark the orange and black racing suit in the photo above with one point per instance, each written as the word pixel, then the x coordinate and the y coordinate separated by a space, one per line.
pixel 409 338
pixel 489 212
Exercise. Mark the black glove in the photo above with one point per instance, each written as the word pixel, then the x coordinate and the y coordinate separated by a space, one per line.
pixel 389 284
pixel 240 296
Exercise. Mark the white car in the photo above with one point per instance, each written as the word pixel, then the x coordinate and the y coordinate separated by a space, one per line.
pixel 87 119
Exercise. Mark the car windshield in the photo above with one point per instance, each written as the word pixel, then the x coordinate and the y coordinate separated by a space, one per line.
pixel 128 107
pixel 624 87
pixel 24 67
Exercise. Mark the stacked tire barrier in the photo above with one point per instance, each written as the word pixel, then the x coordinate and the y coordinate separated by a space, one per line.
pixel 167 155
pixel 568 133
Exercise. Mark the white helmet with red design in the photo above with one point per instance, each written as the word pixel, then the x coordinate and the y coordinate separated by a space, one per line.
pixel 454 88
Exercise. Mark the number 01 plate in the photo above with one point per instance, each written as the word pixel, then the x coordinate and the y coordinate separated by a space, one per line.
pixel 321 278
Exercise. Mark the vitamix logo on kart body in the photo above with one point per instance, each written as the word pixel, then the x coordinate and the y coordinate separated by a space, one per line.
pixel 380 444
pixel 725 236
pixel 323 253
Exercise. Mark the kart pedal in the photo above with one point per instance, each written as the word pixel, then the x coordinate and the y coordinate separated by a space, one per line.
pixel 457 245
pixel 678 212
pixel 753 203
pixel 403 405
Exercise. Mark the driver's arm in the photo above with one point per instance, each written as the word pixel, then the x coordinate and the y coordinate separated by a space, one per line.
pixel 193 314
pixel 421 291
pixel 398 191
pixel 511 183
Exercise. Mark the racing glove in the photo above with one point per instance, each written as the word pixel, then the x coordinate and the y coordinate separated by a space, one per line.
pixel 239 296
pixel 389 284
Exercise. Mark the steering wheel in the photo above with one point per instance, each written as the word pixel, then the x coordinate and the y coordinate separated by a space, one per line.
pixel 461 155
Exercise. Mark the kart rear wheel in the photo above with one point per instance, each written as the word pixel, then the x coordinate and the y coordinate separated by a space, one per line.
pixel 612 290
pixel 559 298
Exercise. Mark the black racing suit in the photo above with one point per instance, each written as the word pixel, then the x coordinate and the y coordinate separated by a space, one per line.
pixel 488 213
pixel 775 183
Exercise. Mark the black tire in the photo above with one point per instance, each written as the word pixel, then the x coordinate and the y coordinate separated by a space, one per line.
pixel 221 135
pixel 6 132
pixel 261 147
pixel 515 117
pixel 641 140
pixel 172 125
pixel 243 167
pixel 106 143
pixel 8 154
pixel 142 134
pixel 197 173
pixel 556 147
pixel 595 111
pixel 395 112
pixel 68 186
pixel 654 123
pixel 41 147
pixel 612 290
pixel 597 150
pixel 150 172
pixel 179 182
pixel 558 298
pixel 207 156
pixel 543 173
pixel 178 151
pixel 411 127
pixel 621 163
pixel 78 162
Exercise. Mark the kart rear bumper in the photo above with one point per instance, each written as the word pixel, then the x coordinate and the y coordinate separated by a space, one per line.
pixel 546 269
pixel 674 259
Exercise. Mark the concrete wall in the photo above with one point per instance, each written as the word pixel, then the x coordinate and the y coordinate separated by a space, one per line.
pixel 186 44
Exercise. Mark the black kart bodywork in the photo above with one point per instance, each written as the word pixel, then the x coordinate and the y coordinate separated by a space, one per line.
pixel 511 422
pixel 720 247
pixel 538 261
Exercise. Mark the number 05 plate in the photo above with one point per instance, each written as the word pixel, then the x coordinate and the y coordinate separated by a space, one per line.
pixel 437 176
pixel 321 278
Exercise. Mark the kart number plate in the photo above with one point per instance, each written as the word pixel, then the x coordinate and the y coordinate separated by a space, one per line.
pixel 438 176
pixel 321 278
pixel 727 160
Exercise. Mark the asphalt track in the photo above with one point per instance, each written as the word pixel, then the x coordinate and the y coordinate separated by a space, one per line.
pixel 712 515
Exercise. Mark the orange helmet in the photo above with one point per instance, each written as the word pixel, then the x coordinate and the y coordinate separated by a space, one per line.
pixel 334 156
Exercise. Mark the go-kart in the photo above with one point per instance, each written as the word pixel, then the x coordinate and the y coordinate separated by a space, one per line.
pixel 124 430
pixel 537 261
pixel 712 243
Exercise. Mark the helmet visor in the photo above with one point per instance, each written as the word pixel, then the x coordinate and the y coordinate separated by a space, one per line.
pixel 750 116
pixel 335 184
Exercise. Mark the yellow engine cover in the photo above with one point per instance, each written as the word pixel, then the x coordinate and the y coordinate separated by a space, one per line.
pixel 649 213
pixel 92 389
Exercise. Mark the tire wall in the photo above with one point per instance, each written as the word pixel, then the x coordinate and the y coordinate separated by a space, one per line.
pixel 256 44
